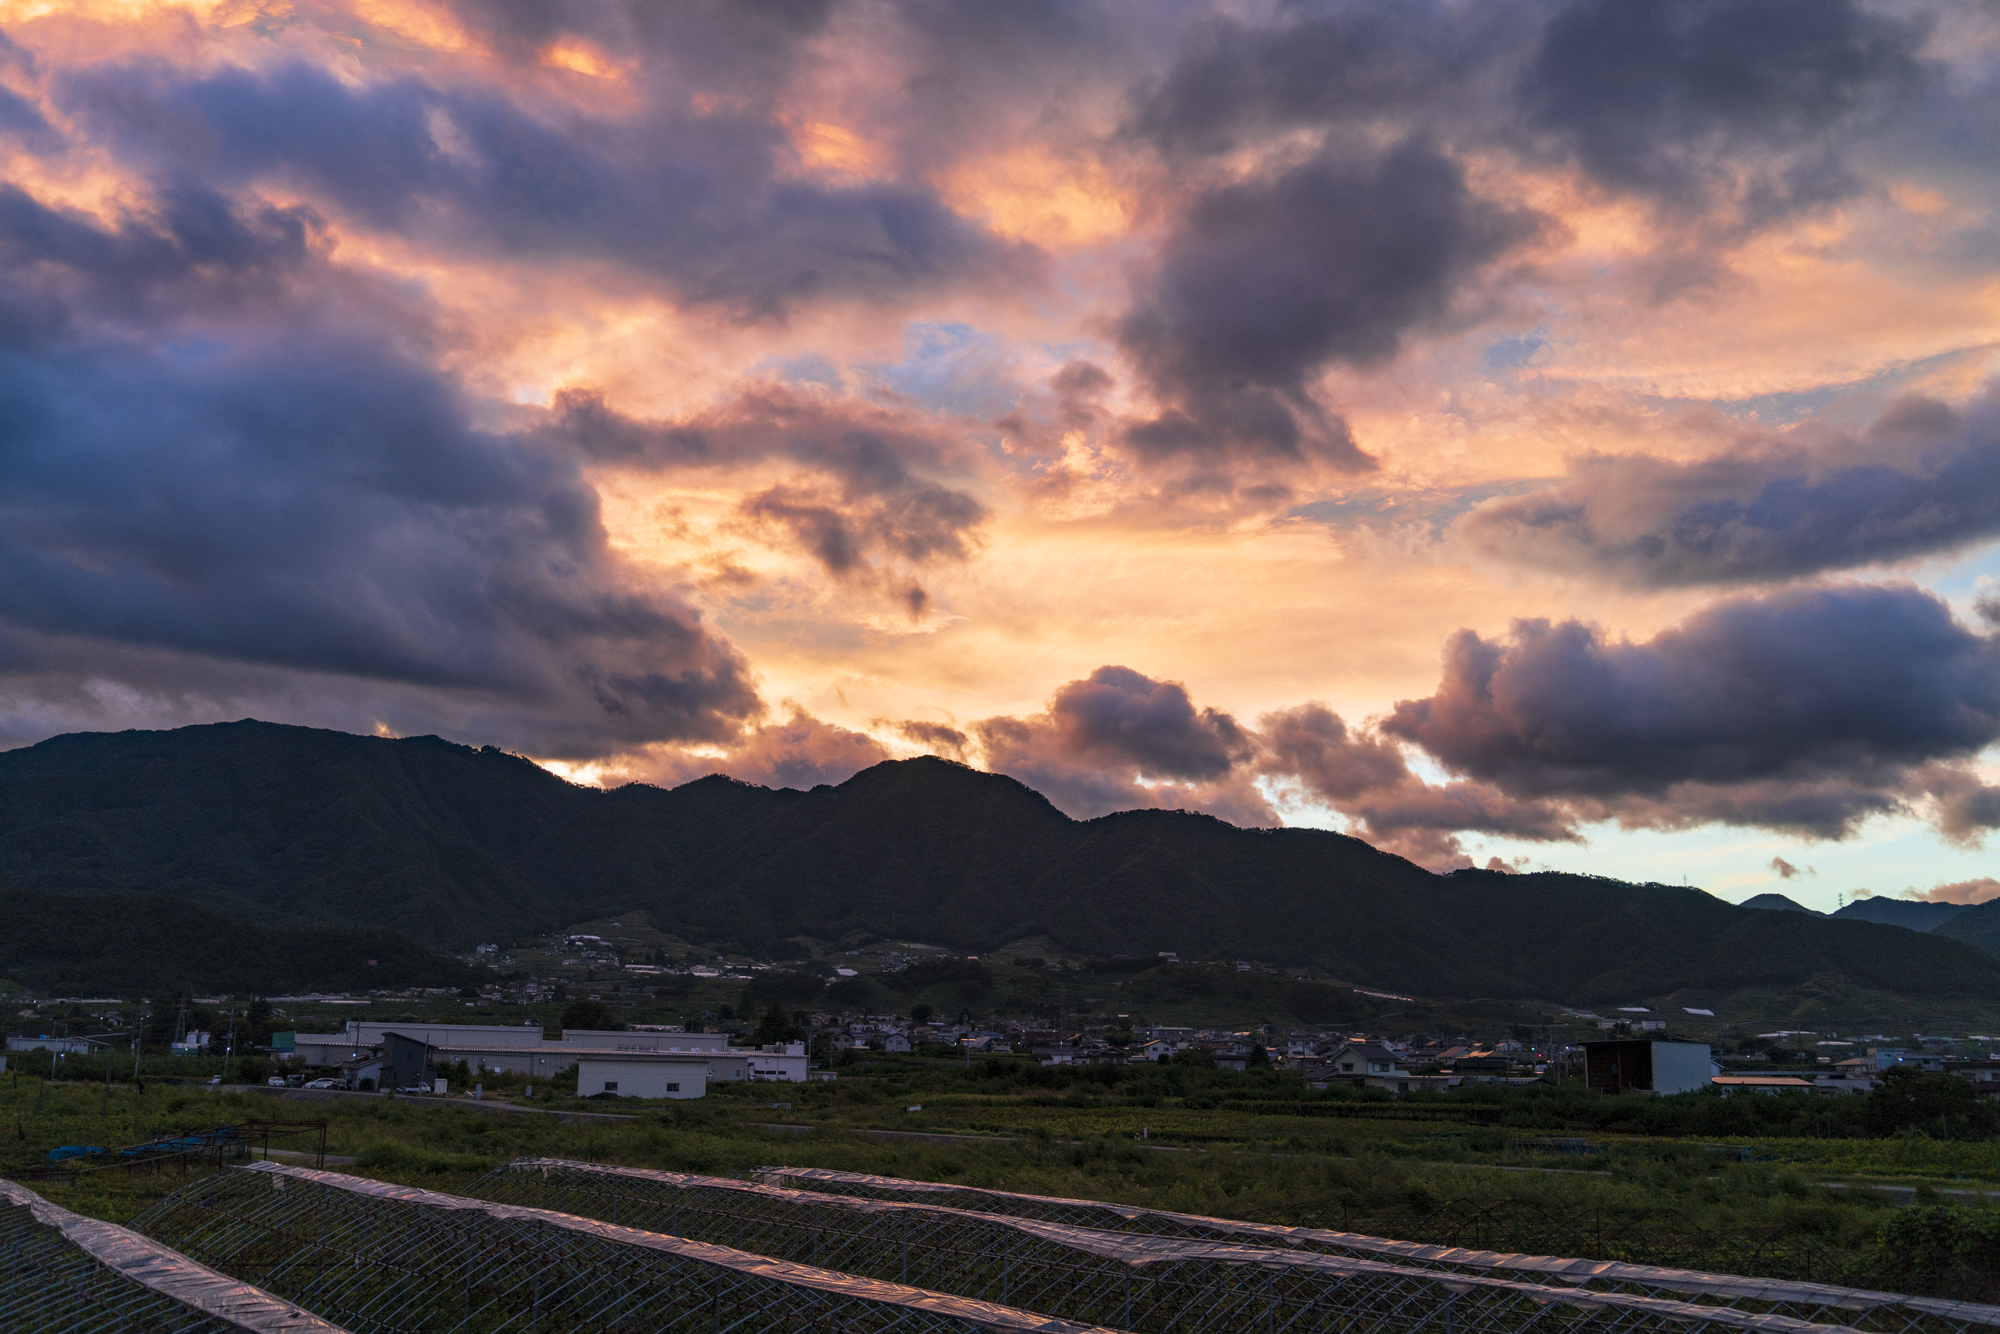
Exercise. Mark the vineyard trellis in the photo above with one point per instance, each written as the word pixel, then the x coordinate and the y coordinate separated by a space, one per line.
pixel 64 1272
pixel 385 1259
pixel 1133 1280
pixel 1889 1313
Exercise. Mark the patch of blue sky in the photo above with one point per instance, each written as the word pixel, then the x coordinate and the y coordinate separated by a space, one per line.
pixel 1376 507
pixel 951 367
pixel 1964 578
pixel 1849 402
pixel 1514 352
pixel 1886 856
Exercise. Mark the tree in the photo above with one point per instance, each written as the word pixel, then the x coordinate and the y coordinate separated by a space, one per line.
pixel 921 1013
pixel 776 1027
pixel 1940 1105
pixel 589 1014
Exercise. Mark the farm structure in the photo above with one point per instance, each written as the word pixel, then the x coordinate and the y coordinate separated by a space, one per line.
pixel 63 1271
pixel 550 1244
pixel 1757 1301
pixel 399 1260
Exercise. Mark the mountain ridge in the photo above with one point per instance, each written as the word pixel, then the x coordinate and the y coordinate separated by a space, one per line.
pixel 301 828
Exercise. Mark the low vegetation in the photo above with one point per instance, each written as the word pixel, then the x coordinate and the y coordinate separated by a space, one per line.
pixel 1786 1187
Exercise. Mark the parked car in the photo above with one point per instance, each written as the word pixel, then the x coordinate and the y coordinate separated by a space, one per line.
pixel 321 1084
pixel 215 1079
pixel 276 1081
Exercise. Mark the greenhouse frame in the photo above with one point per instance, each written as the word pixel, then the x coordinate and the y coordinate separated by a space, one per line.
pixel 1134 1281
pixel 384 1259
pixel 1886 1312
pixel 67 1272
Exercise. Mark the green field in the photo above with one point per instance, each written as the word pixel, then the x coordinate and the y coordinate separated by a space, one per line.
pixel 1458 1172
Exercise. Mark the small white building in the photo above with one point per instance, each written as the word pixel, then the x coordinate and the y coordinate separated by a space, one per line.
pixel 1359 1060
pixel 641 1074
pixel 784 1063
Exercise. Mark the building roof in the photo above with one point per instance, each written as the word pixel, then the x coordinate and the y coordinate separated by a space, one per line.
pixel 1761 1081
pixel 1368 1051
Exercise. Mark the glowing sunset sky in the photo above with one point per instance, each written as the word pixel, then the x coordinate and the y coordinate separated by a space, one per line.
pixel 1564 433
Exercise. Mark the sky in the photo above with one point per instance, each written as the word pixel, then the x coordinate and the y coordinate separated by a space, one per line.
pixel 1554 435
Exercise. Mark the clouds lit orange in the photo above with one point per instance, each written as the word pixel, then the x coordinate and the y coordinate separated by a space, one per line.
pixel 1547 435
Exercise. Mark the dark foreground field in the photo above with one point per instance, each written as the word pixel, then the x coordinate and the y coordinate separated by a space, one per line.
pixel 1561 1173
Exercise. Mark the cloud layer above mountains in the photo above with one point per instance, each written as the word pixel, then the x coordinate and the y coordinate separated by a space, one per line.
pixel 1141 400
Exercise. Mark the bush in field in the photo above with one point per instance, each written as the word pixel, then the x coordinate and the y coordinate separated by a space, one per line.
pixel 1940 1105
pixel 1935 1242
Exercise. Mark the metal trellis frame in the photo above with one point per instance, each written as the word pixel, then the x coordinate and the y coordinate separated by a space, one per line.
pixel 385 1259
pixel 1130 1280
pixel 1878 1312
pixel 60 1271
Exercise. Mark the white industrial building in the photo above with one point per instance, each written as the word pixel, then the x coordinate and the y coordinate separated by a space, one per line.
pixel 524 1050
pixel 641 1074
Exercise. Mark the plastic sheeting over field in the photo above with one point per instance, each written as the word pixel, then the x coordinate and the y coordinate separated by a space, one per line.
pixel 68 1272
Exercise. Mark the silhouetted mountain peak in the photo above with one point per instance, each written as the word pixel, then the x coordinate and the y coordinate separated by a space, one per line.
pixel 302 827
pixel 1778 903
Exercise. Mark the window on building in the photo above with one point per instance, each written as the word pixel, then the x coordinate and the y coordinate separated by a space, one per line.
pixel 673 1088
pixel 610 1086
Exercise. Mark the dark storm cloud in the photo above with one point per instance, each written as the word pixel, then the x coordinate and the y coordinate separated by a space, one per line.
pixel 1263 284
pixel 302 499
pixel 1151 724
pixel 1805 710
pixel 1924 479
pixel 934 737
pixel 1692 102
pixel 1365 777
pixel 1101 736
pixel 856 498
pixel 699 202
pixel 1104 733
pixel 735 44
pixel 193 251
pixel 1233 82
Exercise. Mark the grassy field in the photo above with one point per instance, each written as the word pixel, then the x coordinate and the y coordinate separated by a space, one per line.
pixel 1756 1204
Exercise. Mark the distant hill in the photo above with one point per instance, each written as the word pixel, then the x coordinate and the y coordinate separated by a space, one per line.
pixel 292 824
pixel 147 944
pixel 1778 903
pixel 1900 912
pixel 296 828
pixel 1978 925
